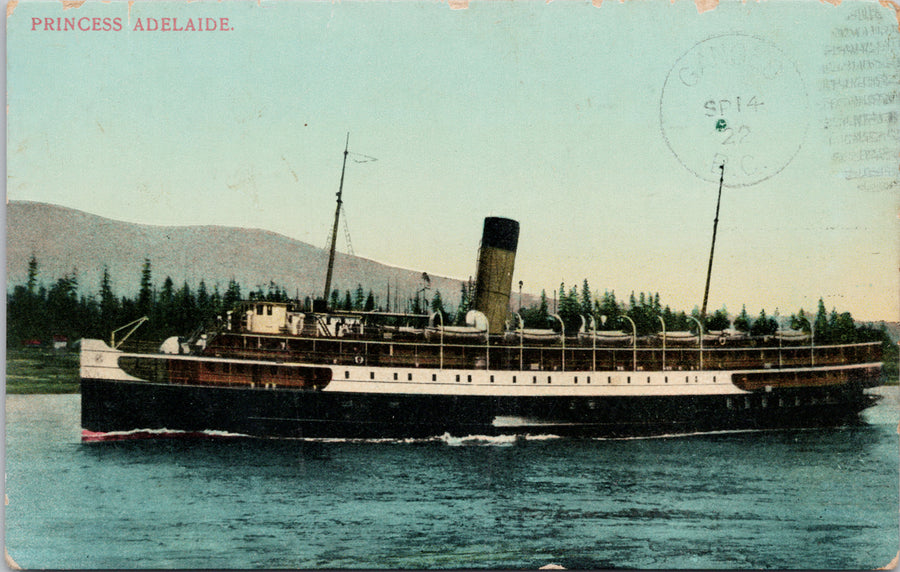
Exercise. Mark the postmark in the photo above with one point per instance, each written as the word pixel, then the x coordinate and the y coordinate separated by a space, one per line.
pixel 736 100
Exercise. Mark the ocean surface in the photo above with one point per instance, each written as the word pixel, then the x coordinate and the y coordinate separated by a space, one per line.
pixel 820 499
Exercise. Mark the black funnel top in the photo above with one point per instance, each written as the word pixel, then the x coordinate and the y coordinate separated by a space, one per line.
pixel 500 233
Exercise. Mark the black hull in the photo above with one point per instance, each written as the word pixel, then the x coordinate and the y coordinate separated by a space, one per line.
pixel 114 406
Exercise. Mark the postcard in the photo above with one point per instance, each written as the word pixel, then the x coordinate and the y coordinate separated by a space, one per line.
pixel 462 284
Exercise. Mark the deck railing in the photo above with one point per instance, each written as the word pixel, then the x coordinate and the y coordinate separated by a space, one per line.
pixel 499 355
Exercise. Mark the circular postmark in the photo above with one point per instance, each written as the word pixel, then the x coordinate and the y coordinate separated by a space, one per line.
pixel 735 100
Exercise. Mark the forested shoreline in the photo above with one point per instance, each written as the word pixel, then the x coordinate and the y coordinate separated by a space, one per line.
pixel 37 313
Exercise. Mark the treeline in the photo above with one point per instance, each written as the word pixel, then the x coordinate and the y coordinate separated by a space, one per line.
pixel 37 313
pixel 646 311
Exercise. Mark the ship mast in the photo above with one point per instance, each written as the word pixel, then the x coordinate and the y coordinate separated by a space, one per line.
pixel 337 216
pixel 712 248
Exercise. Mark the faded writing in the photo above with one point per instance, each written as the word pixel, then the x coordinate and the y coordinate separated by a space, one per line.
pixel 861 86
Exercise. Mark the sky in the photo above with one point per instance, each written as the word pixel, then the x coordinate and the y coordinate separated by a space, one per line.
pixel 598 128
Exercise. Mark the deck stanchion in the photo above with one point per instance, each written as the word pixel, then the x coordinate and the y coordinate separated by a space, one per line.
pixel 700 337
pixel 633 342
pixel 521 338
pixel 780 337
pixel 663 322
pixel 563 338
pixel 440 315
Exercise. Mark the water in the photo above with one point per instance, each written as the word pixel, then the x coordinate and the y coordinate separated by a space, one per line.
pixel 781 499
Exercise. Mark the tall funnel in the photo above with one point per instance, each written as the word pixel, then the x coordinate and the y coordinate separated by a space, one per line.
pixel 496 260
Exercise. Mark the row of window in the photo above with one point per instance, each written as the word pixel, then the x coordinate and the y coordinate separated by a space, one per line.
pixel 782 402
pixel 534 379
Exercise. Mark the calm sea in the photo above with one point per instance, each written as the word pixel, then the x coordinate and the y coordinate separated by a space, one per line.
pixel 777 499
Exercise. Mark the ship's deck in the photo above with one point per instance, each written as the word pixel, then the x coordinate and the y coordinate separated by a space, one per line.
pixel 506 354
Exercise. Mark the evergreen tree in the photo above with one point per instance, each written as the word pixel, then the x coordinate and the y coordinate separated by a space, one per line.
pixel 62 306
pixel 587 304
pixel 203 302
pixel 145 295
pixel 843 329
pixel 359 300
pixel 348 302
pixel 186 316
pixel 668 318
pixel 129 310
pixel 799 321
pixel 680 322
pixel 369 306
pixel 232 295
pixel 163 315
pixel 570 309
pixel 467 292
pixel 437 305
pixel 215 302
pixel 609 307
pixel 32 274
pixel 109 304
pixel 822 331
pixel 763 325
pixel 335 297
pixel 718 320
pixel 742 322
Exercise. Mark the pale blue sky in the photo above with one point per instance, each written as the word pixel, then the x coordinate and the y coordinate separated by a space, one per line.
pixel 545 113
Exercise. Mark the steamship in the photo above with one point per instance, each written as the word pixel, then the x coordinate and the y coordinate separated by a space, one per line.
pixel 270 369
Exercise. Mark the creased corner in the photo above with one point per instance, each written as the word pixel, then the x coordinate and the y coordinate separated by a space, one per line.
pixel 892 564
pixel 9 561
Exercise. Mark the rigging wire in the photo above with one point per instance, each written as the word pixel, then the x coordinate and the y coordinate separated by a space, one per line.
pixel 347 233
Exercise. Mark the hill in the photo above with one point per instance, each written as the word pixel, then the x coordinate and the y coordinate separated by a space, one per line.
pixel 63 239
